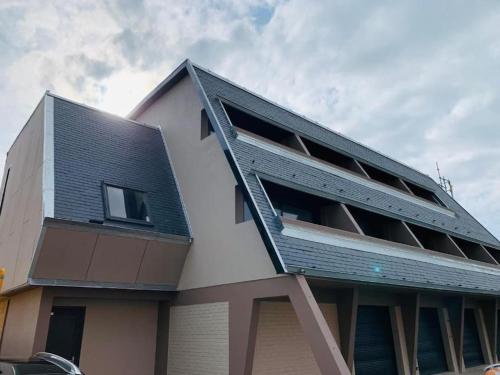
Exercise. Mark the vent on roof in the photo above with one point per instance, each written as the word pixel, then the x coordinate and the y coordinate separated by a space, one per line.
pixel 333 157
pixel 264 129
pixel 437 241
pixel 384 177
pixel 296 205
pixel 474 251
pixel 424 193
pixel 383 227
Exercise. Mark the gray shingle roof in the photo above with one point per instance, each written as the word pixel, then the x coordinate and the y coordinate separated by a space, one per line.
pixel 326 260
pixel 92 147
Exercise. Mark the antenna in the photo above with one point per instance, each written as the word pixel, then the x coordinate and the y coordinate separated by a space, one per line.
pixel 444 182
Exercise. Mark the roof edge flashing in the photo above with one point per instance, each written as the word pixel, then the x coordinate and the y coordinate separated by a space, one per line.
pixel 48 189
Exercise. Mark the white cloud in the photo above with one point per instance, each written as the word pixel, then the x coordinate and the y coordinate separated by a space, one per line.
pixel 415 80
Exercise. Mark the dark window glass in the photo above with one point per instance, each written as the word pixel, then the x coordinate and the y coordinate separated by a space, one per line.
pixel 206 125
pixel 430 354
pixel 242 211
pixel 294 204
pixel 374 345
pixel 4 190
pixel 127 204
pixel 473 355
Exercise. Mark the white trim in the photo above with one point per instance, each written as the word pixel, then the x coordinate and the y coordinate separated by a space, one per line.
pixel 340 173
pixel 394 250
pixel 48 158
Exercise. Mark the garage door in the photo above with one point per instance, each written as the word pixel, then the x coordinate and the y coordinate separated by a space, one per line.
pixel 430 354
pixel 374 346
pixel 498 336
pixel 473 355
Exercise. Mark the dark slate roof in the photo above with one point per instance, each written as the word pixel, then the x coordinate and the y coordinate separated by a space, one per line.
pixel 291 254
pixel 92 147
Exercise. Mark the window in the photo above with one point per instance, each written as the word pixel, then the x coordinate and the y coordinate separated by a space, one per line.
pixel 333 157
pixel 126 204
pixel 242 211
pixel 383 227
pixel 293 204
pixel 424 194
pixel 384 177
pixel 4 190
pixel 206 125
pixel 264 129
pixel 437 241
pixel 474 251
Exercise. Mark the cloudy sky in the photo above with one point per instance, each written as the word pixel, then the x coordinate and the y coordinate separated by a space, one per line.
pixel 417 80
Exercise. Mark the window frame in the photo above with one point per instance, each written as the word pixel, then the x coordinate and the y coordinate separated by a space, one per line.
pixel 107 211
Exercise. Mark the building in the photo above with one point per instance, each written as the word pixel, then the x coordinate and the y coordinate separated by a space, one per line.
pixel 214 232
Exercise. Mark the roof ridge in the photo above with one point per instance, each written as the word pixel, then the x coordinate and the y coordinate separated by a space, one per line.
pixel 311 121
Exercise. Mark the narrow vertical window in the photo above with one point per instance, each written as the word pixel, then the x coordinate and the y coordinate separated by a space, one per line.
pixel 242 211
pixel 4 190
pixel 206 125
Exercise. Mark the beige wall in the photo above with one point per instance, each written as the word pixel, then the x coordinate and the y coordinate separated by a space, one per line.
pixel 119 336
pixel 199 340
pixel 20 325
pixel 222 251
pixel 280 346
pixel 20 221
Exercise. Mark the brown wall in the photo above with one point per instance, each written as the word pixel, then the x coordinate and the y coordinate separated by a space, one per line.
pixel 222 251
pixel 20 220
pixel 280 346
pixel 119 336
pixel 20 325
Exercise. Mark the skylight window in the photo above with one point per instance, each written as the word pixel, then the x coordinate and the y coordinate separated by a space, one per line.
pixel 126 204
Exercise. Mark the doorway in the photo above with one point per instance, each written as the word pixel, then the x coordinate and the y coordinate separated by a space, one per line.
pixel 66 331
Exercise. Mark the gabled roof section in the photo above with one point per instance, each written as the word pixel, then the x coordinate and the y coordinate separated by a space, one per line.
pixel 251 164
pixel 91 147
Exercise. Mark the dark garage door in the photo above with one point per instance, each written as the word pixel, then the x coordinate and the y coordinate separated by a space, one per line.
pixel 473 355
pixel 374 347
pixel 430 354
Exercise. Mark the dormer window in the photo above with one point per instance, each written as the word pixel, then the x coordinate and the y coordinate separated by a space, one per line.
pixel 125 204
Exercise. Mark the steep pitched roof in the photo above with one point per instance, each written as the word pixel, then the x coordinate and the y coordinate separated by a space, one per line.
pixel 292 254
pixel 91 148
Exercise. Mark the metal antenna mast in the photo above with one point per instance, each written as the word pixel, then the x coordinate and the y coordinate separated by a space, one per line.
pixel 444 182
